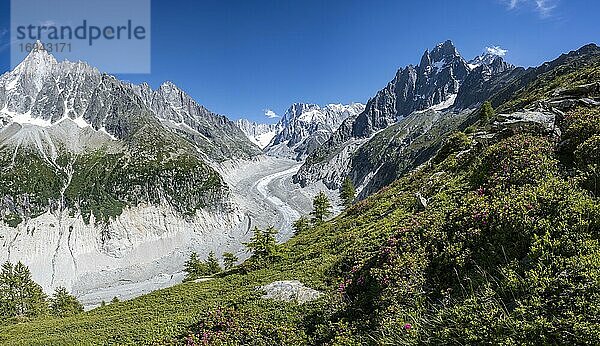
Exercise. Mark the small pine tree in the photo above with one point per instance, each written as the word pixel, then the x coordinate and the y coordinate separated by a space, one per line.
pixel 229 260
pixel 20 296
pixel 487 111
pixel 62 304
pixel 263 245
pixel 7 291
pixel 301 225
pixel 115 300
pixel 212 264
pixel 321 208
pixel 195 268
pixel 347 192
pixel 191 267
pixel 102 304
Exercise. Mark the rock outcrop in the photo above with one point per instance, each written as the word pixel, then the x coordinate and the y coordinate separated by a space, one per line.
pixel 290 291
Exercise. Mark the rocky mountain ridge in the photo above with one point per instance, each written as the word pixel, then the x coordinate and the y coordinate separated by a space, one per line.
pixel 259 134
pixel 305 127
pixel 301 130
pixel 422 91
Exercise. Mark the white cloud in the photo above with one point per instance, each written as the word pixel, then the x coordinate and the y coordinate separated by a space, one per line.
pixel 270 114
pixel 543 7
pixel 496 50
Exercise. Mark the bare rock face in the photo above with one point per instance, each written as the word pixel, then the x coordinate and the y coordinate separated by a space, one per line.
pixel 303 129
pixel 479 85
pixel 217 136
pixel 533 121
pixel 290 291
pixel 436 79
pixel 42 91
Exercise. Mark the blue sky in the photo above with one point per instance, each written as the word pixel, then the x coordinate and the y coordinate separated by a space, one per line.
pixel 240 58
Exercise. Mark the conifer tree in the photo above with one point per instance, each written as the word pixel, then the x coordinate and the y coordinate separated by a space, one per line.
pixel 263 245
pixel 191 267
pixel 229 260
pixel 212 264
pixel 347 192
pixel 62 304
pixel 321 208
pixel 195 268
pixel 487 111
pixel 301 225
pixel 20 296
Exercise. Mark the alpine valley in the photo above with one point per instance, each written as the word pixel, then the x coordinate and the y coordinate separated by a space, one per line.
pixel 476 217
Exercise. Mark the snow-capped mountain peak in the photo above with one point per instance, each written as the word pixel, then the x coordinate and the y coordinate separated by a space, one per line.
pixel 37 65
pixel 302 128
pixel 38 58
pixel 259 134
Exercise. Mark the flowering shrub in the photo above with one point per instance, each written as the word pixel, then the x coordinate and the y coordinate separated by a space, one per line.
pixel 228 326
pixel 579 125
pixel 520 159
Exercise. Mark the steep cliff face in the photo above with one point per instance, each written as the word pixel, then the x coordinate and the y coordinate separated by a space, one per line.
pixel 435 81
pixel 217 137
pixel 476 88
pixel 303 128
